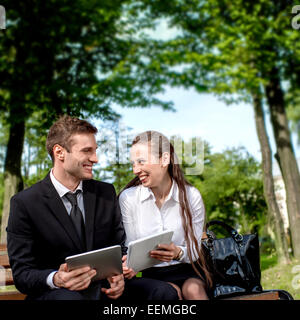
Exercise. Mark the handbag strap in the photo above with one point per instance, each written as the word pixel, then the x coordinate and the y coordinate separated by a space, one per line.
pixel 234 234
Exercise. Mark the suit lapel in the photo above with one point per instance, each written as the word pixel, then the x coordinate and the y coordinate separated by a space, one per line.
pixel 57 208
pixel 89 200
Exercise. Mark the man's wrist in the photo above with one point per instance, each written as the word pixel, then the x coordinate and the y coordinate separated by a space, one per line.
pixel 50 280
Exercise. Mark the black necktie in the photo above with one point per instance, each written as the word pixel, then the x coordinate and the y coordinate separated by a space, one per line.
pixel 76 215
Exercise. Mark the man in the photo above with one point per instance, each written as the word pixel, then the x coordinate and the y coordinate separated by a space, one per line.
pixel 65 214
pixel 41 232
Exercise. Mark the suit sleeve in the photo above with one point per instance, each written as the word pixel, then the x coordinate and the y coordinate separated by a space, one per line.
pixel 27 277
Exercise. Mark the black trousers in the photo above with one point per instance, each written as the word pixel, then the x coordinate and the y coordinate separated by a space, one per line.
pixel 93 292
pixel 136 289
pixel 145 289
pixel 177 273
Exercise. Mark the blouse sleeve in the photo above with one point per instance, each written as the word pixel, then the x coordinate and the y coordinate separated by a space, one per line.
pixel 127 211
pixel 198 214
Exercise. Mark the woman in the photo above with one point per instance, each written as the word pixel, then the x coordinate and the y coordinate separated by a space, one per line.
pixel 160 198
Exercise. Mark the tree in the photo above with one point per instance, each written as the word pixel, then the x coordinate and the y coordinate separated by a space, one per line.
pixel 61 57
pixel 232 189
pixel 275 218
pixel 36 162
pixel 114 144
pixel 234 48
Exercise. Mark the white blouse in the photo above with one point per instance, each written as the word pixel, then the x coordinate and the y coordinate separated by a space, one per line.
pixel 142 217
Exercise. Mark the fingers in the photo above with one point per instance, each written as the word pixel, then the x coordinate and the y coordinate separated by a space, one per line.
pixel 77 279
pixel 132 274
pixel 164 246
pixel 124 264
pixel 117 287
pixel 81 282
pixel 115 279
pixel 165 252
pixel 63 267
pixel 128 273
pixel 162 255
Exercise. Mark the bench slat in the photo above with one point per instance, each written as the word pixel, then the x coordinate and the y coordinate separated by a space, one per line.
pixel 4 261
pixel 8 277
pixel 13 295
pixel 257 296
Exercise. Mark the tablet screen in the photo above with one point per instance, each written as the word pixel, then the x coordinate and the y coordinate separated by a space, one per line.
pixel 107 261
pixel 138 250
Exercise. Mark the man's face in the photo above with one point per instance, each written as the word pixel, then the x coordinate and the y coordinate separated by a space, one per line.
pixel 79 161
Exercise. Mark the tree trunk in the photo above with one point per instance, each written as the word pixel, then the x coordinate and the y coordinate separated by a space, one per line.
pixel 13 181
pixel 288 163
pixel 275 217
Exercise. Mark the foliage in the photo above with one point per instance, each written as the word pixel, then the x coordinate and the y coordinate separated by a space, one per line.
pixel 114 143
pixel 232 189
pixel 226 47
pixel 36 162
pixel 69 57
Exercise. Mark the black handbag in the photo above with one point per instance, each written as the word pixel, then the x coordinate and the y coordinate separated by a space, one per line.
pixel 233 262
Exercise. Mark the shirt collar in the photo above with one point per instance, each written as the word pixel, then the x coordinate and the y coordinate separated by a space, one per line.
pixel 147 192
pixel 60 188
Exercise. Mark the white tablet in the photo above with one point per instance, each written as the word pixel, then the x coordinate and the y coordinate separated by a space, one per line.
pixel 107 261
pixel 138 257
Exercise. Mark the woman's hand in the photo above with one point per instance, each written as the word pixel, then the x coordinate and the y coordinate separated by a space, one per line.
pixel 165 252
pixel 127 272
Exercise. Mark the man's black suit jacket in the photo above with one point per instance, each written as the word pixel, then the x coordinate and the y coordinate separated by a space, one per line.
pixel 40 233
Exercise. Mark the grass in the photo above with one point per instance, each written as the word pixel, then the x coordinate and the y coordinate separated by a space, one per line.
pixel 280 276
pixel 267 261
pixel 7 288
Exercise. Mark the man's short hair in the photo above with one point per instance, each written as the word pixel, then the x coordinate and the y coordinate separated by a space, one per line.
pixel 62 130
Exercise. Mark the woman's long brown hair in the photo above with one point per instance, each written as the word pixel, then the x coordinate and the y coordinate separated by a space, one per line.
pixel 160 144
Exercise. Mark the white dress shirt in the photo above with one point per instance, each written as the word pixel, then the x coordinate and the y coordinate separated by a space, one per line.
pixel 62 190
pixel 142 217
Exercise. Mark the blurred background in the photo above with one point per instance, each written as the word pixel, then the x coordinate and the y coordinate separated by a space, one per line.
pixel 225 72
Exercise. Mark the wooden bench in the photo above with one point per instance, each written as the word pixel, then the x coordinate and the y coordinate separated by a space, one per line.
pixel 274 295
pixel 12 294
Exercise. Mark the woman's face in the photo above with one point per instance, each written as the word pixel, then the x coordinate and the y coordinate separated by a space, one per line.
pixel 147 167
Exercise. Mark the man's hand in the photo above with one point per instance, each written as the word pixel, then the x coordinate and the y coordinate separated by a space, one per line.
pixel 116 287
pixel 165 252
pixel 76 280
pixel 127 272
